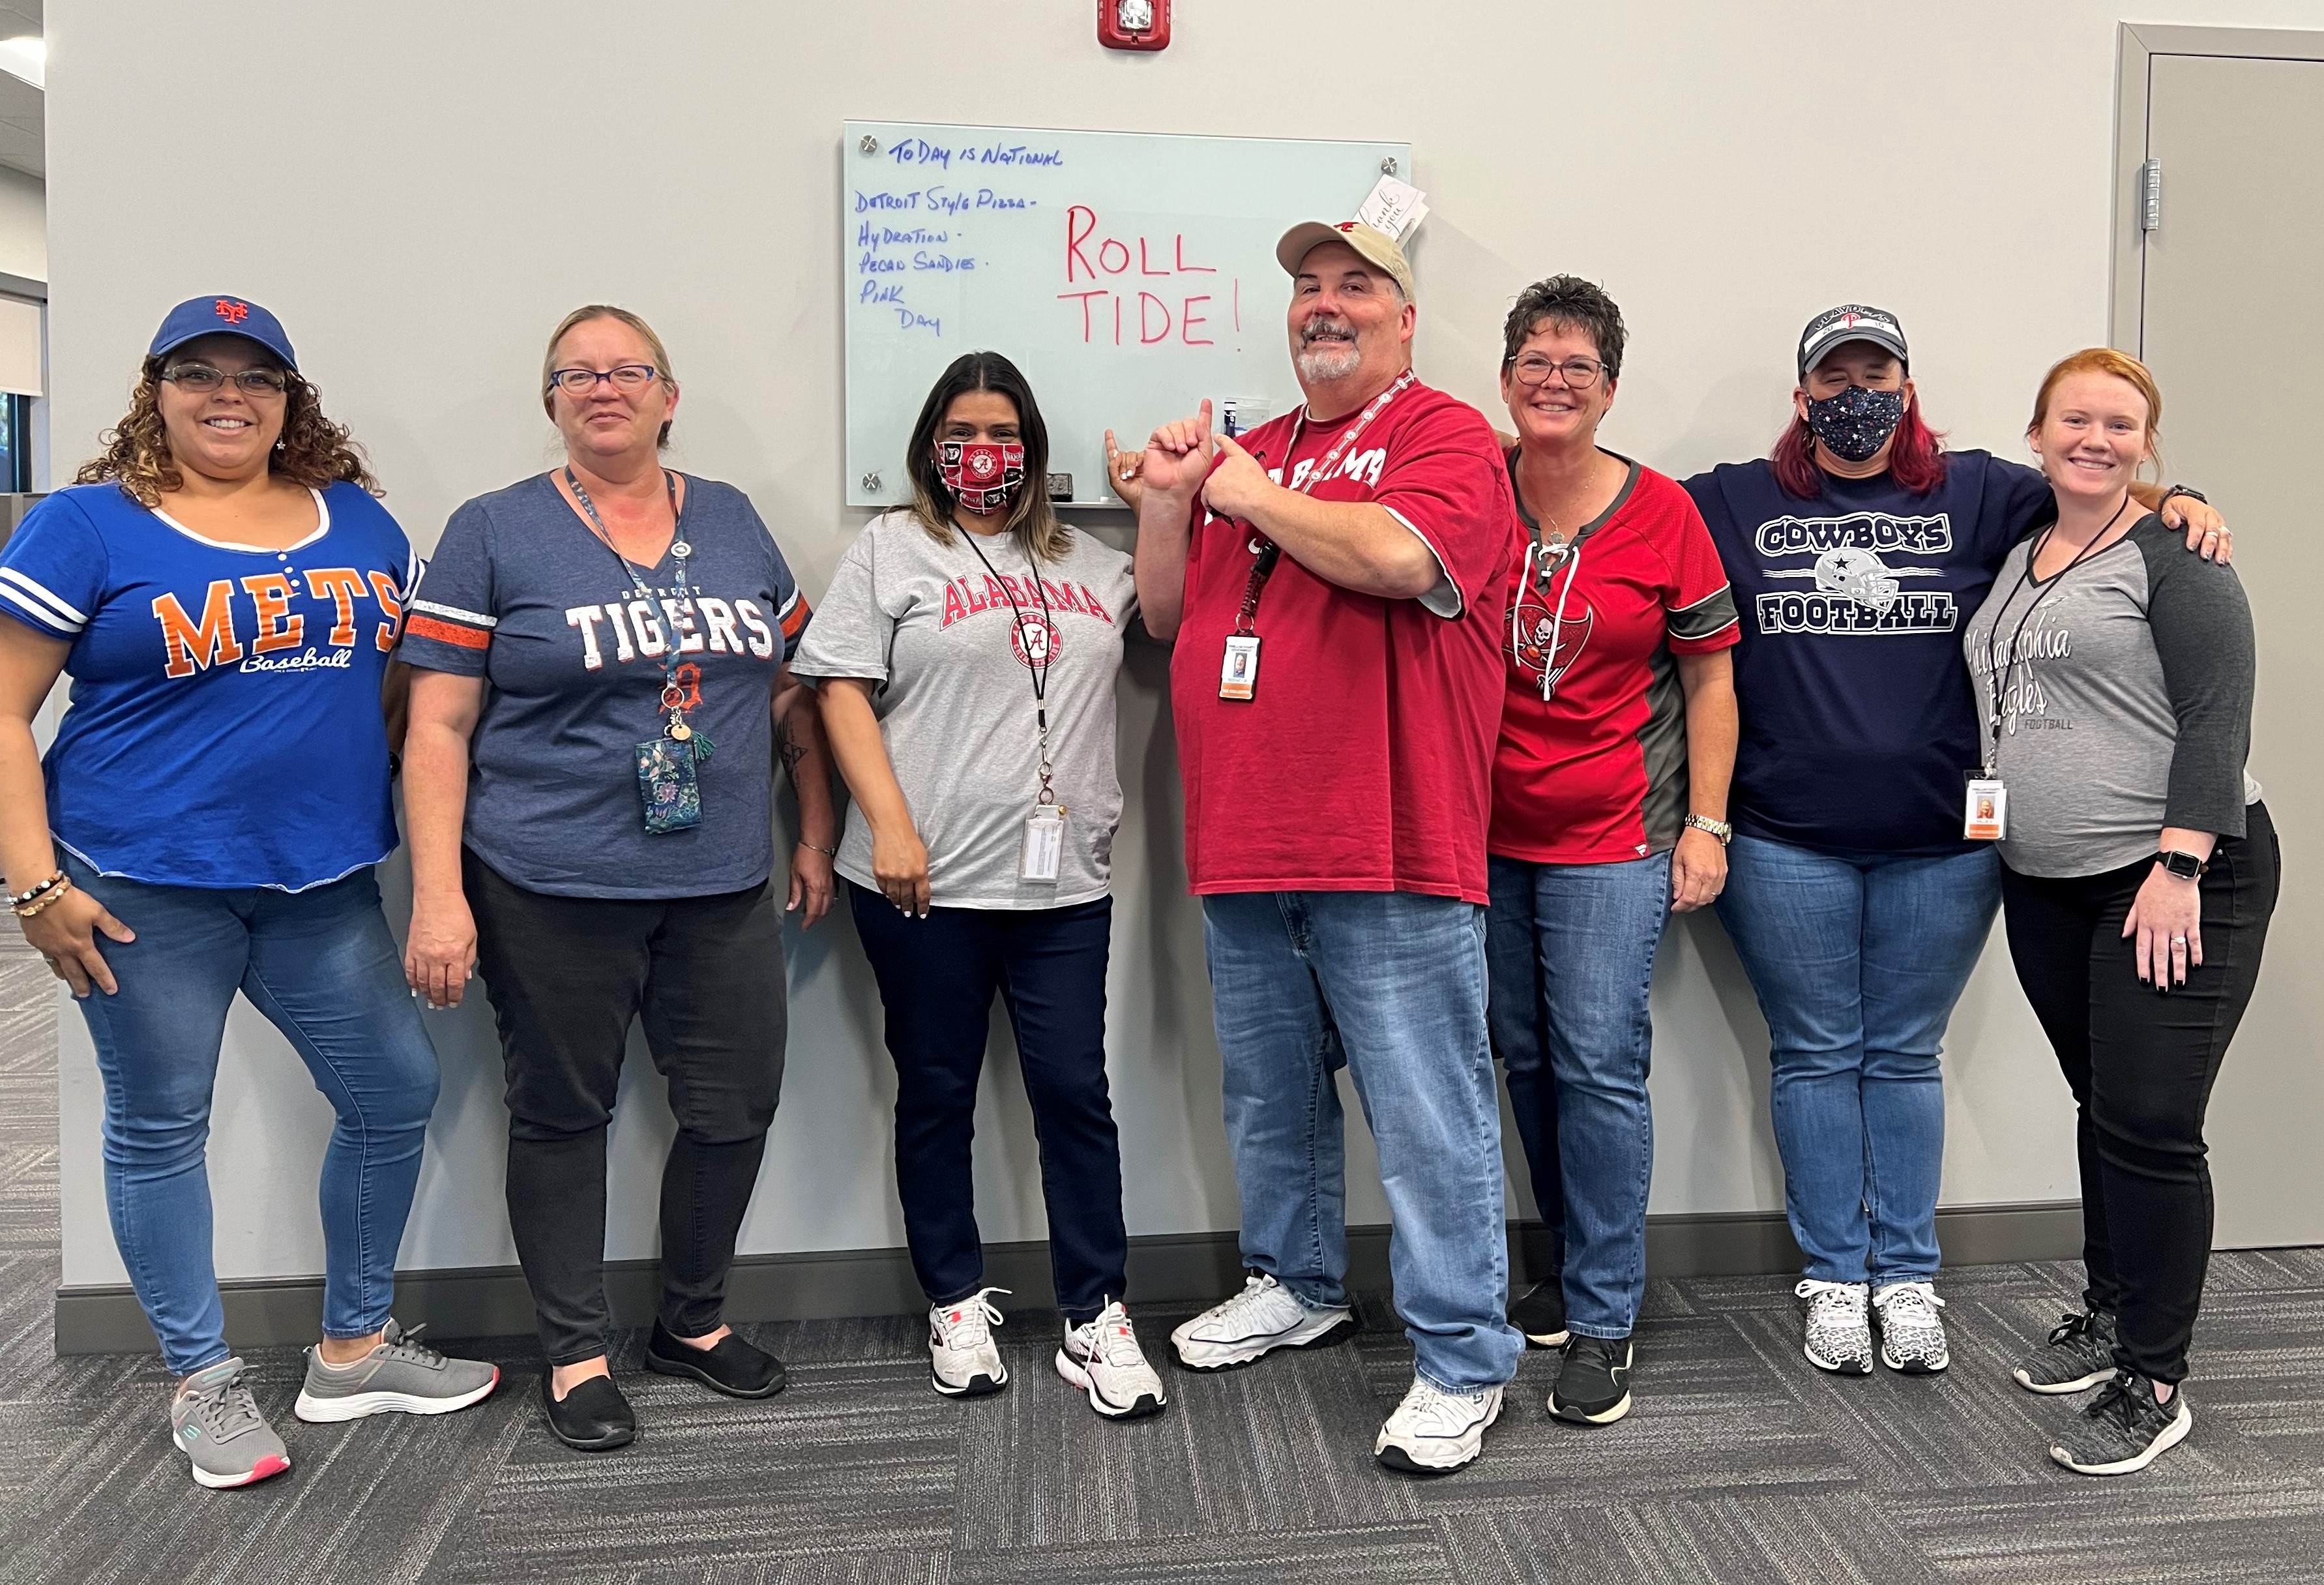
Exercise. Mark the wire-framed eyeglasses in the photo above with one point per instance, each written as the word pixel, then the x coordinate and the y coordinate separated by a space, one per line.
pixel 201 379
pixel 1534 369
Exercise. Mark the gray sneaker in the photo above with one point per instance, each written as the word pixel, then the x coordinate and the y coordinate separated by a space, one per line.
pixel 2078 1355
pixel 403 1375
pixel 215 1421
pixel 2123 1430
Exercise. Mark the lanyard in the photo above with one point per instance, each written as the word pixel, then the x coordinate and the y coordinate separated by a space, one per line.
pixel 1997 679
pixel 1266 552
pixel 672 697
pixel 1040 673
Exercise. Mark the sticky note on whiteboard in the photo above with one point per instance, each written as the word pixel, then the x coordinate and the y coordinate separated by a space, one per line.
pixel 1396 208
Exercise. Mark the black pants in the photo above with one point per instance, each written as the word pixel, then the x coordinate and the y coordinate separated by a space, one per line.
pixel 2141 1066
pixel 566 975
pixel 937 977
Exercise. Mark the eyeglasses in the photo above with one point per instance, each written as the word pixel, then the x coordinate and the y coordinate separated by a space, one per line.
pixel 1581 374
pixel 201 380
pixel 629 379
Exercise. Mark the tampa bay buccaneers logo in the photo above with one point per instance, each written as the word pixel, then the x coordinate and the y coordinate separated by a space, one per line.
pixel 1535 630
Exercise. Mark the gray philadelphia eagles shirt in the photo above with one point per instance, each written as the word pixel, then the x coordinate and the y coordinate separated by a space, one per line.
pixel 2126 692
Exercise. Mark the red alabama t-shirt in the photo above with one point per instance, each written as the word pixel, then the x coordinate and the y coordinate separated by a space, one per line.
pixel 1598 772
pixel 1363 760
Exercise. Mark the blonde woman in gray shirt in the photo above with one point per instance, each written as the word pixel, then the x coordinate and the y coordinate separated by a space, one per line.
pixel 2139 872
pixel 966 654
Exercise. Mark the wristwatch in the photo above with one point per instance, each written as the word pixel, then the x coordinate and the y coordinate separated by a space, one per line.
pixel 2186 866
pixel 2189 491
pixel 1717 828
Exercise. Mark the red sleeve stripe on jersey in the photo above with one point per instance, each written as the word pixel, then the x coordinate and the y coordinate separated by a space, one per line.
pixel 422 626
pixel 795 615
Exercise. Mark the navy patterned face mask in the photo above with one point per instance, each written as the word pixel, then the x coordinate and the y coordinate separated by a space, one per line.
pixel 1857 422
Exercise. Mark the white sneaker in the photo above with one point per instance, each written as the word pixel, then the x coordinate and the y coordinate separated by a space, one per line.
pixel 1264 1316
pixel 1101 1358
pixel 1433 1432
pixel 1912 1338
pixel 1839 1333
pixel 963 1359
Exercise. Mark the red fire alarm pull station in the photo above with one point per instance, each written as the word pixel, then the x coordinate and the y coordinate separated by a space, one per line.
pixel 1133 24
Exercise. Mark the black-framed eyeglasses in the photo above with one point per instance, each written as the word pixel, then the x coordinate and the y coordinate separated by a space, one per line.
pixel 1534 369
pixel 629 379
pixel 200 378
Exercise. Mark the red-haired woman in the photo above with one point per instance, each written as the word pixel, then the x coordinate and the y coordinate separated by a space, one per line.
pixel 2139 863
pixel 1853 897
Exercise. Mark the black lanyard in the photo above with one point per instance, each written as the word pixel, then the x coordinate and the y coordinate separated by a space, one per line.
pixel 1265 552
pixel 1040 674
pixel 1997 679
pixel 673 699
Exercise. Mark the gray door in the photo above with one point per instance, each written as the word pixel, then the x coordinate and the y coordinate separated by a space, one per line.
pixel 2232 322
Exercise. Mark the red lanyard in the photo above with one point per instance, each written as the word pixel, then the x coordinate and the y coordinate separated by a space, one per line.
pixel 1266 552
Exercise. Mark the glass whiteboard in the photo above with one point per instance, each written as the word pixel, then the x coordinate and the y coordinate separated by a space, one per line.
pixel 1129 275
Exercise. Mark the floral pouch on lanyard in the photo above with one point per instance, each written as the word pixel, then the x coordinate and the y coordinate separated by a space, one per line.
pixel 668 767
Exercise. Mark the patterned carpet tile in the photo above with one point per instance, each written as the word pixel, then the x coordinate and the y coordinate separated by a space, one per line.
pixel 1833 1538
pixel 1405 1554
pixel 2129 1531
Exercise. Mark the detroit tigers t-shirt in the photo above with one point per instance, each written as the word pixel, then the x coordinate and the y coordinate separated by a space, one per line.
pixel 225 727
pixel 1363 760
pixel 932 626
pixel 1858 724
pixel 520 592
pixel 1596 772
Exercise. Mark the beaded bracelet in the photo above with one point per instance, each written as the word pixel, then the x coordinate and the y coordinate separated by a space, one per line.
pixel 32 911
pixel 25 896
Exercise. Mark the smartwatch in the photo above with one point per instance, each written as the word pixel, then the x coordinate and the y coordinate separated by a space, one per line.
pixel 2186 866
pixel 2189 491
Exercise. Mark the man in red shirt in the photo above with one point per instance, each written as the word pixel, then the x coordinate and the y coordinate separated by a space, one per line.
pixel 1336 582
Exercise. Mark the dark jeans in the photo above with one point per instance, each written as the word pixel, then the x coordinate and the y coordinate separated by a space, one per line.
pixel 2141 1066
pixel 566 975
pixel 937 976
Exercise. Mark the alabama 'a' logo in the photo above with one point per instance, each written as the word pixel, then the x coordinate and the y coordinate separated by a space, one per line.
pixel 1035 641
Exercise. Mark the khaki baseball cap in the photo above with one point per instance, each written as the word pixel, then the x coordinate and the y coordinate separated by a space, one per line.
pixel 1373 245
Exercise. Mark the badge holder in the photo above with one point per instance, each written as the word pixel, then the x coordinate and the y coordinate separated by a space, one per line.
pixel 668 769
pixel 1984 808
pixel 1043 852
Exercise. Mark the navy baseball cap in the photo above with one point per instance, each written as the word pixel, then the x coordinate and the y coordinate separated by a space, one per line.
pixel 1850 322
pixel 197 316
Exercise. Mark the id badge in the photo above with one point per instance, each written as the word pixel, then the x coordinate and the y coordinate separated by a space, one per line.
pixel 666 782
pixel 1238 668
pixel 1045 843
pixel 1984 810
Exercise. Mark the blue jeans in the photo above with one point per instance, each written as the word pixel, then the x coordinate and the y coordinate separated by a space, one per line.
pixel 937 978
pixel 1571 951
pixel 1857 961
pixel 1391 986
pixel 322 967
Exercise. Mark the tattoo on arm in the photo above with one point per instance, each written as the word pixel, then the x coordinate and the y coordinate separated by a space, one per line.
pixel 788 749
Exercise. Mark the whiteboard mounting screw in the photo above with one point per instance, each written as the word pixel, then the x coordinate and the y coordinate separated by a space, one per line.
pixel 1388 166
pixel 868 143
pixel 871 481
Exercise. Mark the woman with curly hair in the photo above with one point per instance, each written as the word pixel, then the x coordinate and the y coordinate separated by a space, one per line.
pixel 226 593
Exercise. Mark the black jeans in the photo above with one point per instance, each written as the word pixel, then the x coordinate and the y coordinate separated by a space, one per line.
pixel 937 976
pixel 566 975
pixel 2141 1065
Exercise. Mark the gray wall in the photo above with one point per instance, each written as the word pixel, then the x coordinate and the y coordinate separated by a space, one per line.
pixel 430 185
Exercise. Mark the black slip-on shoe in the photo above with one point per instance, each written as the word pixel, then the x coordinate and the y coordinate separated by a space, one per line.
pixel 733 1366
pixel 594 1417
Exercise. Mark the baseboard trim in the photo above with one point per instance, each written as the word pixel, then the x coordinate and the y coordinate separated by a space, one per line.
pixel 491 1300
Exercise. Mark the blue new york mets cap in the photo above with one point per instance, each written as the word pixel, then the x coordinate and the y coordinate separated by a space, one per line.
pixel 197 316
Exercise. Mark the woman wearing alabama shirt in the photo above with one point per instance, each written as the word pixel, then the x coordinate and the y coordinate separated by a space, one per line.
pixel 966 654
pixel 1856 550
pixel 1609 797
